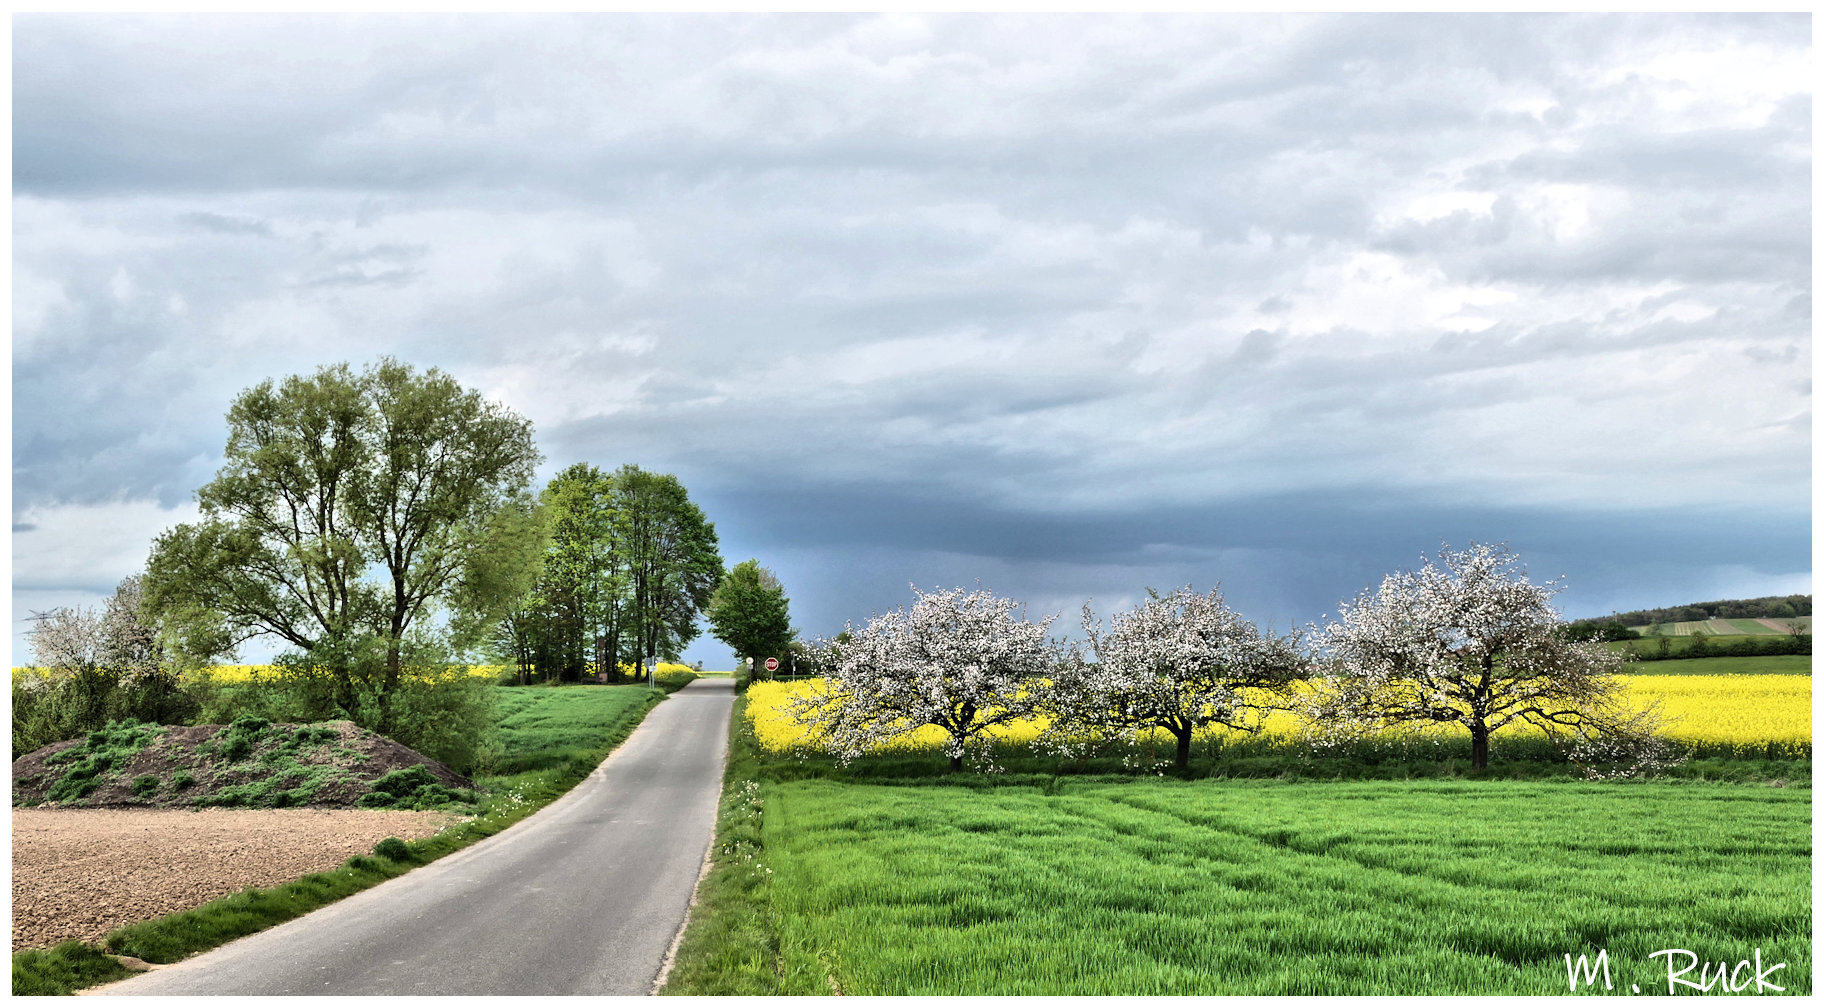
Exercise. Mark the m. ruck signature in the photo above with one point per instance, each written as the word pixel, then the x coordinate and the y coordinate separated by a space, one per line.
pixel 1721 976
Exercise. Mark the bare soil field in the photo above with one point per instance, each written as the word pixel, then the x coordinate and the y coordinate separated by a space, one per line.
pixel 80 873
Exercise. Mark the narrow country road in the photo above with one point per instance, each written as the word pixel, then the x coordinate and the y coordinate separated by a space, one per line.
pixel 582 898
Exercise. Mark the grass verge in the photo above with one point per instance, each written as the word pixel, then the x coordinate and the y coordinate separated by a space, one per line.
pixel 730 946
pixel 550 739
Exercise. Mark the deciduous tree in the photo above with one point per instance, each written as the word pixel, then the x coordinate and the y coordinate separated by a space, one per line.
pixel 373 514
pixel 748 612
pixel 961 661
pixel 672 561
pixel 1181 662
pixel 91 667
pixel 1468 641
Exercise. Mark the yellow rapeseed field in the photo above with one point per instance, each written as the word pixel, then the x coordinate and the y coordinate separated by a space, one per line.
pixel 1749 713
pixel 247 673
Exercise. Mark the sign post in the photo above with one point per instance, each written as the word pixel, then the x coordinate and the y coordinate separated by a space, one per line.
pixel 652 671
pixel 772 665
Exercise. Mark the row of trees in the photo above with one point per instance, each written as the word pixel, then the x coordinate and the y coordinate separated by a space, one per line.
pixel 381 523
pixel 628 563
pixel 1775 607
pixel 1466 641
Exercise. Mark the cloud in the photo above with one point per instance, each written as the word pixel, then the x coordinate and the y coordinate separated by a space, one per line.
pixel 990 279
pixel 88 546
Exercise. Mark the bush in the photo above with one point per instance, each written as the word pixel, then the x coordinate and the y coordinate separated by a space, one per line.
pixel 54 705
pixel 440 711
pixel 449 718
pixel 412 788
pixel 393 849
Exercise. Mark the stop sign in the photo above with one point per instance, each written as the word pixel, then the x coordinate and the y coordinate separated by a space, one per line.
pixel 772 664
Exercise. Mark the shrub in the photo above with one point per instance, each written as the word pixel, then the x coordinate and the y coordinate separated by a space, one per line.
pixel 393 849
pixel 146 786
pixel 412 788
pixel 237 740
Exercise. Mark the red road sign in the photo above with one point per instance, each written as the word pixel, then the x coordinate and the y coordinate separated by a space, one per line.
pixel 772 664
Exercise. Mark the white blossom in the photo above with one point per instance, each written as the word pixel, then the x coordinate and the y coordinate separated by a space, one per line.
pixel 1181 663
pixel 960 661
pixel 112 638
pixel 1470 642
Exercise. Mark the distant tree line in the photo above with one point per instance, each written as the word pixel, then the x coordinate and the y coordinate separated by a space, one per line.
pixel 1700 645
pixel 1768 607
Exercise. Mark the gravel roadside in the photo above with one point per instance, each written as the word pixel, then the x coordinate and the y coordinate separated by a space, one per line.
pixel 80 873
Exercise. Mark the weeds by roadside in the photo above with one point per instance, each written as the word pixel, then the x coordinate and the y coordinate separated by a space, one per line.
pixel 730 946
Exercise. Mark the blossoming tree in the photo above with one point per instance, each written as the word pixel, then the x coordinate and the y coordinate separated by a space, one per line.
pixel 961 661
pixel 1467 640
pixel 1181 662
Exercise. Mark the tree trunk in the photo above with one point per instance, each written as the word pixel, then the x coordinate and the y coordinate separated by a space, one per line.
pixel 1183 760
pixel 1478 745
pixel 956 762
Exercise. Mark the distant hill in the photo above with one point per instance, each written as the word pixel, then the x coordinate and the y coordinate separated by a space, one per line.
pixel 1769 607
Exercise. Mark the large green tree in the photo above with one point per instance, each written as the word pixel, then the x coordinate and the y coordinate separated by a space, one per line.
pixel 672 561
pixel 363 518
pixel 579 600
pixel 749 612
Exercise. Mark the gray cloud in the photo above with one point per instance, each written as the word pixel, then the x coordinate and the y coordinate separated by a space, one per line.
pixel 1068 300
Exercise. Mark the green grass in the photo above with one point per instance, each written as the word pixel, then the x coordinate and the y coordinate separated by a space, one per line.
pixel 1761 665
pixel 1264 887
pixel 890 878
pixel 730 945
pixel 549 739
pixel 61 970
pixel 1678 646
pixel 97 758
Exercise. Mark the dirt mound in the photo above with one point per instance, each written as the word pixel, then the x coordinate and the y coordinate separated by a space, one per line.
pixel 249 764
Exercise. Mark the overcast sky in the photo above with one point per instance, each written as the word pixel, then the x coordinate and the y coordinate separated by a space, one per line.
pixel 1070 305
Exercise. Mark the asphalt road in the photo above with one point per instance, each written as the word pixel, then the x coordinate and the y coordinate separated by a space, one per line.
pixel 583 898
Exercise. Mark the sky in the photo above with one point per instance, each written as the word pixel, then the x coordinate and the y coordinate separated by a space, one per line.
pixel 1069 306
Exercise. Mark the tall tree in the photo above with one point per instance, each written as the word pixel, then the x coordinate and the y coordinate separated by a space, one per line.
pixel 582 579
pixel 672 561
pixel 1467 641
pixel 351 513
pixel 748 612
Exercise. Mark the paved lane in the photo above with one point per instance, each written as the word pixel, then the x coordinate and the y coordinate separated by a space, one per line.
pixel 582 898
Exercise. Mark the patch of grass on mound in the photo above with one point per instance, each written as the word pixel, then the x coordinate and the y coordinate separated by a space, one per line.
pixel 413 788
pixel 93 763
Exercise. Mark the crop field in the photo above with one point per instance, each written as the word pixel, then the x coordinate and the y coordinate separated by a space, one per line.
pixel 1267 887
pixel 1725 627
pixel 1768 715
